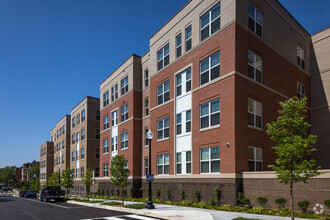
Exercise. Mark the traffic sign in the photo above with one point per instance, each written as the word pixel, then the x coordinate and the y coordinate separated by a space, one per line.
pixel 150 177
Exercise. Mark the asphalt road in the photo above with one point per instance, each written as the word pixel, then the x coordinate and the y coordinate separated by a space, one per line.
pixel 21 208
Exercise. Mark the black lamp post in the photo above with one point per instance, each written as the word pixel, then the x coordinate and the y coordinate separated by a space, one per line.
pixel 150 204
pixel 59 175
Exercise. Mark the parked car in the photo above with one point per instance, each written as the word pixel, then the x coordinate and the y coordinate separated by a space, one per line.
pixel 5 188
pixel 22 193
pixel 30 194
pixel 52 192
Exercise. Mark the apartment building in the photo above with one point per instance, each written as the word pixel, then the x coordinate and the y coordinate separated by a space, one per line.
pixel 120 124
pixel 207 87
pixel 46 161
pixel 60 136
pixel 85 141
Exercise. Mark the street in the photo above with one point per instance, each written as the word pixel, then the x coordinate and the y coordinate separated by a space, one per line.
pixel 21 208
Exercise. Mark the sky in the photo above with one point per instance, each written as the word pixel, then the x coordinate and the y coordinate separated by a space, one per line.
pixel 53 53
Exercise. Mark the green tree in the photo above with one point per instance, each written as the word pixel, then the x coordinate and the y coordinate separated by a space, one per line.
pixel 119 173
pixel 67 180
pixel 53 180
pixel 35 184
pixel 88 181
pixel 293 145
pixel 8 175
pixel 33 176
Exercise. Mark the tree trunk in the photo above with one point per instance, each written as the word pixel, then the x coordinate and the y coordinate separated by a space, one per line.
pixel 291 199
pixel 122 194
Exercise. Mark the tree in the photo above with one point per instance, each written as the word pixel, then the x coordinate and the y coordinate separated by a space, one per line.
pixel 293 145
pixel 8 176
pixel 53 180
pixel 67 180
pixel 33 176
pixel 119 173
pixel 35 184
pixel 88 181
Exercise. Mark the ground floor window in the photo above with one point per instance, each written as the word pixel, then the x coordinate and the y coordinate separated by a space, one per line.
pixel 210 159
pixel 163 164
pixel 255 159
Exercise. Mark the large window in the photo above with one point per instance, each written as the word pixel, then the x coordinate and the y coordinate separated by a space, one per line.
pixel 124 113
pixel 124 140
pixel 255 66
pixel 210 22
pixel 105 169
pixel 163 56
pixel 210 68
pixel 83 135
pixel 146 107
pixel 82 153
pixel 210 114
pixel 146 78
pixel 210 160
pixel 163 92
pixel 163 128
pixel 73 155
pixel 112 94
pixel 301 90
pixel 114 118
pixel 105 146
pixel 181 78
pixel 188 121
pixel 114 143
pixel 116 91
pixel 106 122
pixel 146 140
pixel 301 57
pixel 73 139
pixel 106 99
pixel 146 166
pixel 82 174
pixel 254 113
pixel 83 117
pixel 178 163
pixel 188 38
pixel 255 159
pixel 178 41
pixel 124 85
pixel 73 122
pixel 178 123
pixel 163 164
pixel 255 20
pixel 63 159
pixel 188 162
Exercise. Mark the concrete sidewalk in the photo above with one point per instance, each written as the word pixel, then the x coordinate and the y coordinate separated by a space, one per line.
pixel 181 213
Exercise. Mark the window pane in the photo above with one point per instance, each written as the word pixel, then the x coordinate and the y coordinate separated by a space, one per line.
pixel 204 167
pixel 178 79
pixel 160 134
pixel 251 11
pixel 188 168
pixel 215 25
pixel 204 65
pixel 215 152
pixel 178 118
pixel 251 24
pixel 188 156
pixel 204 153
pixel 251 153
pixel 166 159
pixel 166 96
pixel 251 166
pixel 166 169
pixel 215 12
pixel 215 166
pixel 166 122
pixel 258 121
pixel 205 20
pixel 258 166
pixel 160 54
pixel 259 154
pixel 205 33
pixel 205 109
pixel 250 105
pixel 159 89
pixel 178 157
pixel 188 74
pixel 205 122
pixel 178 129
pixel 160 159
pixel 259 17
pixel 166 133
pixel 215 59
pixel 188 115
pixel 215 72
pixel 215 119
pixel 178 168
pixel 258 29
pixel 166 86
pixel 188 126
pixel 160 170
pixel 215 105
pixel 205 77
pixel 166 49
pixel 160 124
pixel 250 119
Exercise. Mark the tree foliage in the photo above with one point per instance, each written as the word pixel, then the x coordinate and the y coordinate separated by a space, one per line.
pixel 8 175
pixel 33 171
pixel 88 180
pixel 53 180
pixel 67 179
pixel 119 173
pixel 293 144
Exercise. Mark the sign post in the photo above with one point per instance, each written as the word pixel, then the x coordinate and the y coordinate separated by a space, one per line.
pixel 93 184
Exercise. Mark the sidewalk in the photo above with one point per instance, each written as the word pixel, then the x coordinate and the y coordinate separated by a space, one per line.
pixel 182 213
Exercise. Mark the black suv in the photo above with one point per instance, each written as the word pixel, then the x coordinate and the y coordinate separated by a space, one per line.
pixel 52 192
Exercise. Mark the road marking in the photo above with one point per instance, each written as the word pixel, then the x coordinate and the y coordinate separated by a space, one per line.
pixel 122 217
pixel 49 203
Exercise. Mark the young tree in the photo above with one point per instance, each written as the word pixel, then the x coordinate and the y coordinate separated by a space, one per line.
pixel 8 175
pixel 67 180
pixel 119 173
pixel 293 145
pixel 53 180
pixel 88 181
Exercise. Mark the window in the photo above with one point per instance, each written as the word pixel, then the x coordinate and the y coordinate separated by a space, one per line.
pixel 146 166
pixel 146 140
pixel 255 20
pixel 301 90
pixel 73 155
pixel 301 57
pixel 210 22
pixel 146 78
pixel 82 174
pixel 105 146
pixel 73 173
pixel 255 159
pixel 210 160
pixel 188 38
pixel 63 157
pixel 83 134
pixel 163 164
pixel 106 99
pixel 188 162
pixel 124 113
pixel 163 92
pixel 146 107
pixel 255 66
pixel 114 143
pixel 73 122
pixel 114 118
pixel 188 121
pixel 163 56
pixel 178 163
pixel 63 144
pixel 254 113
pixel 112 94
pixel 116 91
pixel 106 122
pixel 178 124
pixel 105 169
pixel 188 79
pixel 178 41
pixel 82 153
pixel 57 133
pixel 97 114
pixel 78 118
pixel 124 85
pixel 97 172
pixel 180 78
pixel 163 128
pixel 73 139
pixel 124 140
pixel 63 129
pixel 83 117
pixel 97 153
pixel 126 164
pixel 179 84
pixel 210 68
pixel 210 114
pixel 97 133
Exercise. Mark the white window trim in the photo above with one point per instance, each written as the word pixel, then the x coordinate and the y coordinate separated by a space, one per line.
pixel 178 45
pixel 164 55
pixel 300 93
pixel 209 69
pixel 254 102
pixel 163 129
pixel 255 20
pixel 163 164
pixel 208 115
pixel 255 56
pixel 255 157
pixel 210 21
pixel 124 142
pixel 163 92
pixel 209 160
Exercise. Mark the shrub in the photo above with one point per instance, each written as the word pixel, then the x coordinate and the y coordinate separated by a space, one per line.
pixel 262 201
pixel 111 192
pixel 281 202
pixel 256 210
pixel 111 203
pixel 303 205
pixel 218 194
pixel 168 194
pixel 211 201
pixel 183 195
pixel 136 206
pixel 327 203
pixel 197 194
pixel 245 201
pixel 118 192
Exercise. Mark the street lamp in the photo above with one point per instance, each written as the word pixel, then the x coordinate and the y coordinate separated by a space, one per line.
pixel 150 204
pixel 59 175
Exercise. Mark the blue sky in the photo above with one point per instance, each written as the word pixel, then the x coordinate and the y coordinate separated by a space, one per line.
pixel 55 52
